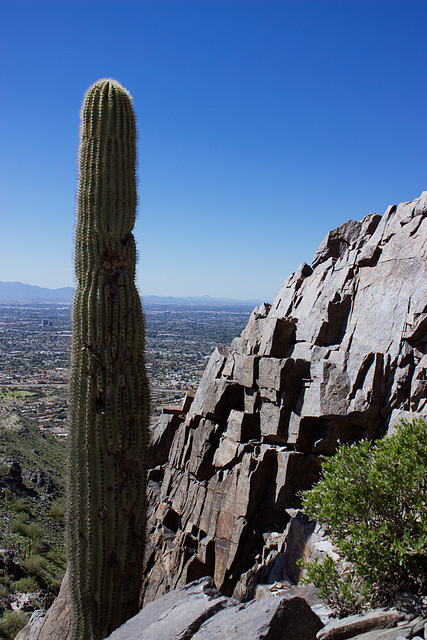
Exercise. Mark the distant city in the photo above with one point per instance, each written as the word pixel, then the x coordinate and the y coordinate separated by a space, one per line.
pixel 18 291
pixel 35 346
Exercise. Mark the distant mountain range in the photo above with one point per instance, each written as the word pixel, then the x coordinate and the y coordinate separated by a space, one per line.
pixel 19 292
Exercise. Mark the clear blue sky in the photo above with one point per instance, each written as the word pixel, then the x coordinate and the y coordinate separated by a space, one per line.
pixel 262 124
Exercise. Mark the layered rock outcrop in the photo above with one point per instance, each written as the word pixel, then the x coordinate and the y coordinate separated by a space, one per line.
pixel 340 355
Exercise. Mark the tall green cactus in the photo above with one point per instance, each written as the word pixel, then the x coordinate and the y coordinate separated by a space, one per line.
pixel 108 386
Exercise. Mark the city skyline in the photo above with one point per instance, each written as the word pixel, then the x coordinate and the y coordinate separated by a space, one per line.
pixel 262 126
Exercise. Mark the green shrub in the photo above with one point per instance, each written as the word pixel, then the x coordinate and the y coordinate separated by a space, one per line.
pixel 372 501
pixel 57 510
pixel 5 470
pixel 41 546
pixel 26 585
pixel 21 518
pixel 337 584
pixel 20 505
pixel 46 572
pixel 28 529
pixel 57 557
pixel 7 495
pixel 11 623
pixel 36 566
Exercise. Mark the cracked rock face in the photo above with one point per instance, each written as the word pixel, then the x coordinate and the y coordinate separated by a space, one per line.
pixel 340 355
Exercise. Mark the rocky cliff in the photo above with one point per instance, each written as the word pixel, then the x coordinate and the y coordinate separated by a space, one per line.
pixel 340 355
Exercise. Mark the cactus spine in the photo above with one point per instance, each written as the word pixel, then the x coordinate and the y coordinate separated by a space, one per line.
pixel 108 387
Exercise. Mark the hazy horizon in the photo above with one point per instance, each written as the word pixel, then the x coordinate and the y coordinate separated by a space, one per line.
pixel 141 293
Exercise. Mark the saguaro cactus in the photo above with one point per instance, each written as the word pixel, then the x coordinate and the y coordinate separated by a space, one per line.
pixel 108 387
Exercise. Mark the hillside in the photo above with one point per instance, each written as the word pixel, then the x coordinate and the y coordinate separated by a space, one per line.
pixel 31 507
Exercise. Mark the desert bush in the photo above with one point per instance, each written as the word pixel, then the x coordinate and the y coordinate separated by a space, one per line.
pixel 20 506
pixel 11 623
pixel 57 557
pixel 35 566
pixel 57 509
pixel 5 470
pixel 21 518
pixel 47 572
pixel 372 502
pixel 338 584
pixel 41 546
pixel 7 495
pixel 26 585
pixel 28 529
